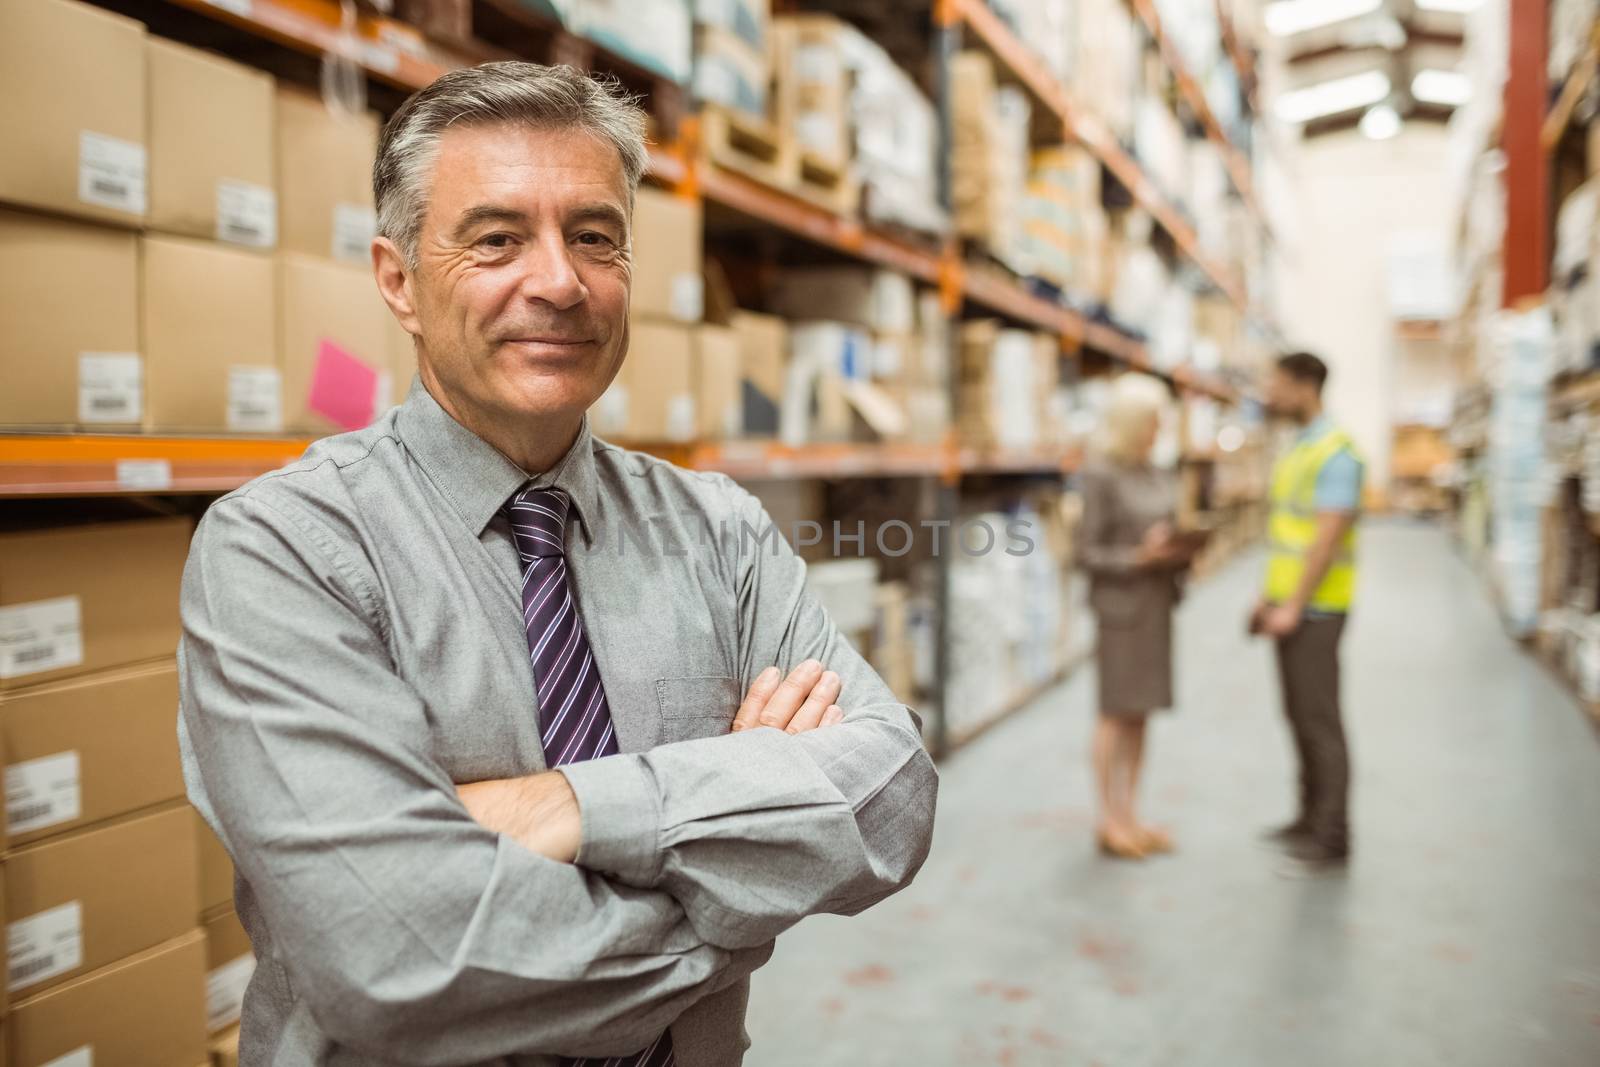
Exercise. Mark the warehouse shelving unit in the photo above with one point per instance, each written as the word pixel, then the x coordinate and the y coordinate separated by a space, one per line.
pixel 398 58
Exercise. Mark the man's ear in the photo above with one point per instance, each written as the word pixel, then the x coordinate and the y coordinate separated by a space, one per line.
pixel 394 282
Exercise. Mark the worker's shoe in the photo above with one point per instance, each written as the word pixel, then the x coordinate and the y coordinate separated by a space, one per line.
pixel 1287 835
pixel 1309 858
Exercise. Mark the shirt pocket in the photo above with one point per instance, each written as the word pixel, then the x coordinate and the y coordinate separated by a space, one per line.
pixel 696 707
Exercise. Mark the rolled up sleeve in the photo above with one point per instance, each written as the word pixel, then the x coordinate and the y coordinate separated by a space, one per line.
pixel 414 935
pixel 753 831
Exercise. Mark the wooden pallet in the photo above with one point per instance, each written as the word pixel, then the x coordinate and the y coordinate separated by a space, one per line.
pixel 747 144
pixel 823 181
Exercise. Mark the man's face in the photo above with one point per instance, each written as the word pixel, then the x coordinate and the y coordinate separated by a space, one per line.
pixel 1285 396
pixel 521 284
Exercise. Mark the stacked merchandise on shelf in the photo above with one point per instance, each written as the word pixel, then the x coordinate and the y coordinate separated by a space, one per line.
pixel 1107 69
pixel 1159 142
pixel 1575 274
pixel 1571 27
pixel 866 357
pixel 1517 477
pixel 1063 223
pixel 1006 389
pixel 989 162
pixel 101 870
pixel 208 213
pixel 732 54
pixel 658 36
pixel 1046 27
pixel 1008 624
pixel 890 128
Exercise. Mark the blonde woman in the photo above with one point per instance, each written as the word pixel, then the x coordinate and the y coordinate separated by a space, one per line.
pixel 1135 559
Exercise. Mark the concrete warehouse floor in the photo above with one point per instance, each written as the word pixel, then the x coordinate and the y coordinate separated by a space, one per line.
pixel 1465 934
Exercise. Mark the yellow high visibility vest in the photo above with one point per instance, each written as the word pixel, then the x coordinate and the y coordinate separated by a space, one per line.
pixel 1293 527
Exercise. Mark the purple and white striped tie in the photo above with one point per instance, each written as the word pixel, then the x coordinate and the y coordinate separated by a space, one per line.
pixel 574 718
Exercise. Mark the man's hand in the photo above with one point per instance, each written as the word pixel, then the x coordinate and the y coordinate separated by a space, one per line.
pixel 1255 626
pixel 538 812
pixel 803 701
pixel 1281 620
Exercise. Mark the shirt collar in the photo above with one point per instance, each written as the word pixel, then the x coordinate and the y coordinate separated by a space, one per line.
pixel 477 477
pixel 1315 428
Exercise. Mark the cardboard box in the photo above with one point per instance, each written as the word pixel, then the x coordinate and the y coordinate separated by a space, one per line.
pixel 73 143
pixel 763 356
pixel 336 345
pixel 729 71
pixel 652 398
pixel 719 404
pixel 87 749
pixel 84 900
pixel 209 319
pixel 324 179
pixel 144 1011
pixel 230 961
pixel 879 300
pixel 812 83
pixel 225 1049
pixel 68 360
pixel 666 257
pixel 211 147
pixel 84 598
pixel 215 868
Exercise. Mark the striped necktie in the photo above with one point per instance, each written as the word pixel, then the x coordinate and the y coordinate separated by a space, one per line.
pixel 574 718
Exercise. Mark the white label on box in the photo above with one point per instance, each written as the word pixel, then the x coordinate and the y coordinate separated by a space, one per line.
pixel 111 172
pixel 680 417
pixel 78 1057
pixel 687 300
pixel 353 229
pixel 146 474
pixel 225 988
pixel 110 387
pixel 247 214
pixel 42 792
pixel 45 945
pixel 255 399
pixel 41 635
pixel 237 7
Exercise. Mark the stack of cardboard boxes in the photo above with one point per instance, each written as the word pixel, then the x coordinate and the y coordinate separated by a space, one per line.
pixel 1006 392
pixel 106 955
pixel 1063 222
pixel 732 57
pixel 989 166
pixel 866 356
pixel 140 211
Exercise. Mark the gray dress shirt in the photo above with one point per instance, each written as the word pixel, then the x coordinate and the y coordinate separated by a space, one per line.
pixel 353 647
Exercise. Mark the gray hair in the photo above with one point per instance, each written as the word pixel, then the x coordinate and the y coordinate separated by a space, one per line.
pixel 526 94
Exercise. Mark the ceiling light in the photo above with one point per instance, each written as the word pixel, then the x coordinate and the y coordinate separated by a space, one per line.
pixel 1448 87
pixel 1380 123
pixel 1459 7
pixel 1332 97
pixel 1288 17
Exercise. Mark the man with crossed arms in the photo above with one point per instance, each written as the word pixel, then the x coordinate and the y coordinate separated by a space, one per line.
pixel 482 763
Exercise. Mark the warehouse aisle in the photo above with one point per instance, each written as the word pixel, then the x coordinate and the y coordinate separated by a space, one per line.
pixel 1466 933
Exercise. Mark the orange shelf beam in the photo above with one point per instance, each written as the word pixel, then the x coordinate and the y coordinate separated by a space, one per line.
pixel 51 464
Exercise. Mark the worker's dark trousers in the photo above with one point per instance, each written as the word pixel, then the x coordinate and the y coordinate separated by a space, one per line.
pixel 1308 664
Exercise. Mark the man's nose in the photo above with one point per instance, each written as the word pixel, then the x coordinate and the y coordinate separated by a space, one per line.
pixel 550 275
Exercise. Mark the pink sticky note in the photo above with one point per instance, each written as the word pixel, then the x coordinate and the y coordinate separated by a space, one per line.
pixel 342 387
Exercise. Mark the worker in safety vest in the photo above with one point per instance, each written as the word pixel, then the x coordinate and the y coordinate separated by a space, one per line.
pixel 1310 584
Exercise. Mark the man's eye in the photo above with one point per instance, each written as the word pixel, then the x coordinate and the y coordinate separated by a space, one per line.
pixel 496 241
pixel 593 239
